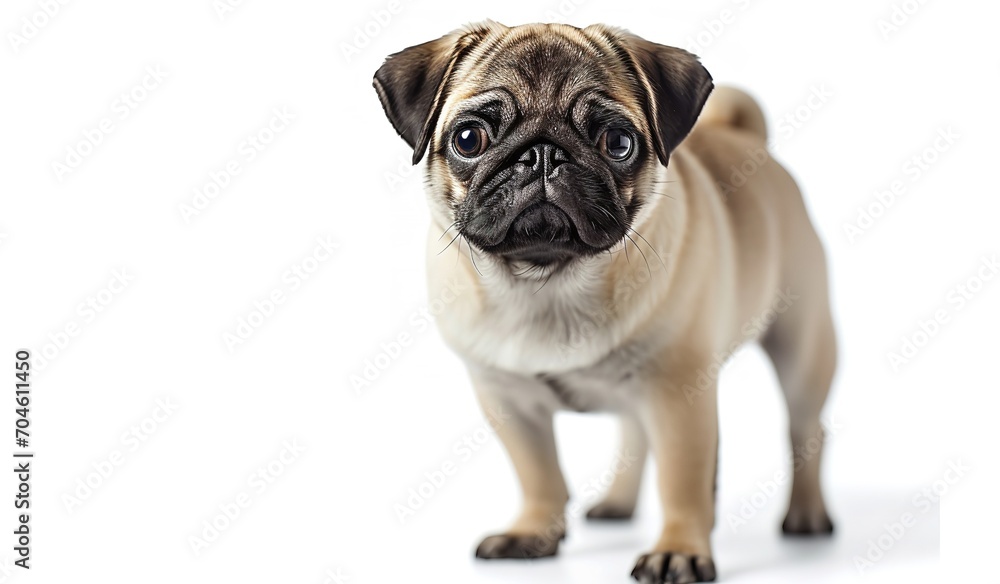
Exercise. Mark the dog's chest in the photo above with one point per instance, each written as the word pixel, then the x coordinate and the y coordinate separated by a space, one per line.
pixel 564 362
pixel 566 345
pixel 531 334
pixel 609 385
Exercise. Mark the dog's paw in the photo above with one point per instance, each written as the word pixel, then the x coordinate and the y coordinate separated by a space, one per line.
pixel 673 568
pixel 807 522
pixel 608 511
pixel 520 547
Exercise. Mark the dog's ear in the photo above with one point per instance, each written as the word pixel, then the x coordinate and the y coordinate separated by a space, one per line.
pixel 676 86
pixel 413 83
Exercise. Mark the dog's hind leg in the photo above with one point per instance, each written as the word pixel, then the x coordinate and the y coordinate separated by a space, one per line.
pixel 802 346
pixel 619 502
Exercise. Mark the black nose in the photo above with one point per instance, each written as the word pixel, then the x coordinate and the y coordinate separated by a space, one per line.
pixel 543 158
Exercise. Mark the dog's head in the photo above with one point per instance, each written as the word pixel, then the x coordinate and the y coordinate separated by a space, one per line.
pixel 542 140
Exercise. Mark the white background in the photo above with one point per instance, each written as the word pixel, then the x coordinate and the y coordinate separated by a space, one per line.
pixel 331 172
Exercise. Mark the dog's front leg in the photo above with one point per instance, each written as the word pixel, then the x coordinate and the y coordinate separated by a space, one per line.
pixel 523 422
pixel 681 421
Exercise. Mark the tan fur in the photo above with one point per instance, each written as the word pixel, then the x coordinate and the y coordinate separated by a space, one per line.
pixel 639 331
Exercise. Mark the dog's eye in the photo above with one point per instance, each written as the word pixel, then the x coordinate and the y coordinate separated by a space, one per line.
pixel 471 141
pixel 617 144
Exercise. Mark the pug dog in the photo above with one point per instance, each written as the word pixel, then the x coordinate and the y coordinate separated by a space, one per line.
pixel 613 253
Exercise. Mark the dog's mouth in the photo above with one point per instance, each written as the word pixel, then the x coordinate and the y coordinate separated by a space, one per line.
pixel 541 235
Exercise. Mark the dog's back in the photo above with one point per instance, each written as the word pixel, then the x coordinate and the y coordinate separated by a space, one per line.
pixel 780 283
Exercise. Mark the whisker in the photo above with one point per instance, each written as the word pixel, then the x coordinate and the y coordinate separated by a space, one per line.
pixel 447 230
pixel 547 278
pixel 653 249
pixel 648 271
pixel 473 258
pixel 528 270
pixel 664 182
pixel 451 242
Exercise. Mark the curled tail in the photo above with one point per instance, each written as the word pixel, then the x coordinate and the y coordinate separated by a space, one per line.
pixel 732 107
